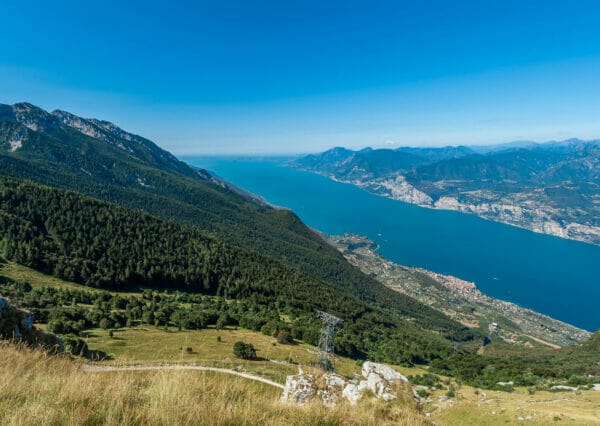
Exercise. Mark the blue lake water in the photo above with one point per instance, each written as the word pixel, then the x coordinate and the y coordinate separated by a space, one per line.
pixel 548 274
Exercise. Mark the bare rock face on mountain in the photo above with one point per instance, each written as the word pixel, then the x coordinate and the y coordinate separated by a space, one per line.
pixel 381 380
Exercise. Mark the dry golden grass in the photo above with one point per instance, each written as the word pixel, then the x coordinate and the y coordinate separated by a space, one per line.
pixel 38 389
pixel 541 408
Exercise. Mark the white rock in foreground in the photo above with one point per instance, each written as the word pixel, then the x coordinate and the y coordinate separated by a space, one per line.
pixel 334 386
pixel 385 371
pixel 301 388
pixel 352 393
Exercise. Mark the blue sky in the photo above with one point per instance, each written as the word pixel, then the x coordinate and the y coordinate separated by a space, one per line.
pixel 299 76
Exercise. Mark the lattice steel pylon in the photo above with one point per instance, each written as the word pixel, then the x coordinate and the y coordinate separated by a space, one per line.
pixel 326 348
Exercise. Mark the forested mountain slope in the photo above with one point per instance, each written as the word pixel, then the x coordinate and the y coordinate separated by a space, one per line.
pixel 101 160
pixel 107 246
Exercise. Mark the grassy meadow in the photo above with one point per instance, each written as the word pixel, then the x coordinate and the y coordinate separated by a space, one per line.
pixel 40 389
pixel 470 407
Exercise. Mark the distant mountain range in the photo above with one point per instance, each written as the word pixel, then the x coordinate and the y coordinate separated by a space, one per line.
pixel 551 188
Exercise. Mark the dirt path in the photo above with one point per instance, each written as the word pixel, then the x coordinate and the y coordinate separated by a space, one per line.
pixel 107 368
pixel 543 342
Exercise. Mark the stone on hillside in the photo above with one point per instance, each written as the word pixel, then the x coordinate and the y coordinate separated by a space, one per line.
pixel 386 396
pixel 596 387
pixel 352 393
pixel 385 371
pixel 334 386
pixel 333 380
pixel 376 384
pixel 60 345
pixel 299 388
pixel 27 322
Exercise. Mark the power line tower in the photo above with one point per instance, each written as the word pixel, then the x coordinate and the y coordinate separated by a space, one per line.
pixel 326 339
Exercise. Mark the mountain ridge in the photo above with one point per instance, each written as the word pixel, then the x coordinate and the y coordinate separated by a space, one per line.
pixel 551 188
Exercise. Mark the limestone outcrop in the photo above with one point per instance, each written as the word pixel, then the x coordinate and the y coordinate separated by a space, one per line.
pixel 380 380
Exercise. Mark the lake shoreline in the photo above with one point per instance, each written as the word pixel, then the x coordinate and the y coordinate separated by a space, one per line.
pixel 365 186
pixel 458 297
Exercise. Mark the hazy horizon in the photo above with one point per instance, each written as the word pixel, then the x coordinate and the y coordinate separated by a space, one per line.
pixel 384 146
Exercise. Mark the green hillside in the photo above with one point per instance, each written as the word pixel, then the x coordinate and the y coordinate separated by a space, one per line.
pixel 216 255
pixel 101 160
pixel 102 245
pixel 203 282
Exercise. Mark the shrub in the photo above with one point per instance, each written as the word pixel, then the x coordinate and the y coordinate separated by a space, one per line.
pixel 189 350
pixel 105 323
pixel 244 350
pixel 269 328
pixel 423 393
pixel 426 379
pixel 451 391
pixel 283 337
pixel 75 345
